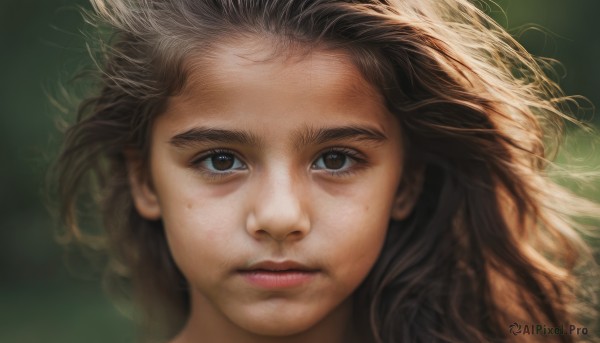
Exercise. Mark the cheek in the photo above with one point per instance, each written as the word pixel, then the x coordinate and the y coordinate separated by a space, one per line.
pixel 356 228
pixel 198 229
pixel 210 220
pixel 189 209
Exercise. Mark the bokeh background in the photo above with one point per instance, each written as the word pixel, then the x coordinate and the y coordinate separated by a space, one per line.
pixel 41 300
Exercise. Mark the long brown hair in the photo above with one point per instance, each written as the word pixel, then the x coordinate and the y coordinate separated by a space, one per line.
pixel 488 243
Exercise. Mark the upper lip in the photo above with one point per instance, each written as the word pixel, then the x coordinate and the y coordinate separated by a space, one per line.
pixel 278 266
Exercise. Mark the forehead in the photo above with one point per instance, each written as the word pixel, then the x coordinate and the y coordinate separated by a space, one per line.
pixel 263 64
pixel 255 86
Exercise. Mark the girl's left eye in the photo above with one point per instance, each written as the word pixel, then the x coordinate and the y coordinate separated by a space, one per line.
pixel 219 162
pixel 336 161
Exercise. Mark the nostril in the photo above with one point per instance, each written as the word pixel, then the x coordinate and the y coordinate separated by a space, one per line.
pixel 279 236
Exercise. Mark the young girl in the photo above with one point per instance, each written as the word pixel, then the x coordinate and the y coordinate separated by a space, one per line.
pixel 328 171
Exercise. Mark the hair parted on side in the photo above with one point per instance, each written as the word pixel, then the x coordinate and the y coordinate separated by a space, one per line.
pixel 492 239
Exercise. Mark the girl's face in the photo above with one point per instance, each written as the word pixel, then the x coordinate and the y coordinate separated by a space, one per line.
pixel 275 179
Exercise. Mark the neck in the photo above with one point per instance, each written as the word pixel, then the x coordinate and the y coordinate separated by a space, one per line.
pixel 208 325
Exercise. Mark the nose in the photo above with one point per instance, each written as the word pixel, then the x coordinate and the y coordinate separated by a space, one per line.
pixel 278 209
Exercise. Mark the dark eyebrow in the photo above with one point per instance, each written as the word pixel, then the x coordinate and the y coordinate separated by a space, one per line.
pixel 199 135
pixel 302 138
pixel 310 135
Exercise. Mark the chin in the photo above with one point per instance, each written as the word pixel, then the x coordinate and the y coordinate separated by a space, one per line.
pixel 279 325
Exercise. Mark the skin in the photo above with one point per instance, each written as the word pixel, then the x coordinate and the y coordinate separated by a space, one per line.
pixel 279 199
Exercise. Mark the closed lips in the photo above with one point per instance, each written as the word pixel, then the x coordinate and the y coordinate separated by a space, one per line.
pixel 269 266
pixel 278 275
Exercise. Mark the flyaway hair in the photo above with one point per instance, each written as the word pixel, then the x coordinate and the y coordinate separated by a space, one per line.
pixel 492 240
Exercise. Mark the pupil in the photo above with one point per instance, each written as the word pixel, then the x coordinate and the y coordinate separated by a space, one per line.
pixel 334 160
pixel 222 161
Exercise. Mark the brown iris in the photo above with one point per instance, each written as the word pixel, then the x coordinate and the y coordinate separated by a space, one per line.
pixel 222 161
pixel 334 160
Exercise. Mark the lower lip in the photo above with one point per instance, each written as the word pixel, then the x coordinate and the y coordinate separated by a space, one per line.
pixel 278 280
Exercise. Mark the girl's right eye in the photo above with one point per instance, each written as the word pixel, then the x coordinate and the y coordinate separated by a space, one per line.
pixel 219 162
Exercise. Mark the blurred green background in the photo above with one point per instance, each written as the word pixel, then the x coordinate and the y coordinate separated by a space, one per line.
pixel 40 300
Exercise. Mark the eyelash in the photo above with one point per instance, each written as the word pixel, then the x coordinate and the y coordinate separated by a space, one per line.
pixel 196 164
pixel 356 157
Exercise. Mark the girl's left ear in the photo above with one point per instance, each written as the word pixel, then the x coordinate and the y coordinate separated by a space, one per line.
pixel 408 193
